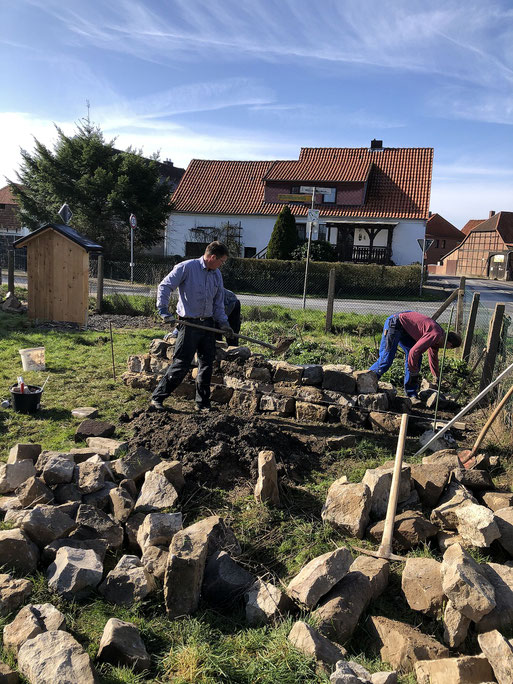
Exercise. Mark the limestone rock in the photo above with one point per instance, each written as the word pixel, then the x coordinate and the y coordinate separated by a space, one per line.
pixel 280 406
pixel 366 382
pixel 373 402
pixel 173 472
pixel 410 529
pixel 286 372
pixel 447 456
pixel 499 653
pixel 112 447
pixel 455 626
pixel 245 402
pixel 342 442
pixel 504 520
pixel 225 581
pixel 67 493
pixel 345 674
pixel 376 570
pixel 99 546
pixel 266 489
pixel 121 504
pixel 156 494
pixel 384 422
pixel 100 498
pixel 464 584
pixel 312 374
pixel 90 476
pixel 501 579
pixel 429 480
pixel 338 378
pixel 58 470
pixel 20 452
pixel 184 572
pixel 454 497
pixel 131 527
pixel 55 656
pixel 12 475
pixel 95 524
pixel 347 507
pixel 474 479
pixel 74 572
pixel 31 621
pixel 13 593
pixel 319 576
pixel 128 582
pixel 34 491
pixel 93 428
pixel 121 645
pixel 310 642
pixel 158 529
pixel 402 645
pixel 421 583
pixel 460 670
pixel 497 500
pixel 85 412
pixel 220 536
pixel 310 412
pixel 17 551
pixel 43 524
pixel 155 559
pixel 477 525
pixel 8 676
pixel 135 465
pixel 265 603
pixel 379 481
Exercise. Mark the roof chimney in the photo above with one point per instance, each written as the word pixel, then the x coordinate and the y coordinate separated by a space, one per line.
pixel 376 144
pixel 491 213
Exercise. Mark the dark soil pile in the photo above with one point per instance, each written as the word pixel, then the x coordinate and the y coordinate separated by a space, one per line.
pixel 220 449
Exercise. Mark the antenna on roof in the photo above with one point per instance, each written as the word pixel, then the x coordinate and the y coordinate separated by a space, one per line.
pixel 88 105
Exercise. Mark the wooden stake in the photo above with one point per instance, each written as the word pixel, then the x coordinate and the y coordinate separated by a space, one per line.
pixel 492 345
pixel 112 352
pixel 459 308
pixel 331 298
pixel 471 324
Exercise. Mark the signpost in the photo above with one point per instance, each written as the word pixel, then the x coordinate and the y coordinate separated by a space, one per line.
pixel 65 213
pixel 424 244
pixel 311 218
pixel 133 226
pixel 311 190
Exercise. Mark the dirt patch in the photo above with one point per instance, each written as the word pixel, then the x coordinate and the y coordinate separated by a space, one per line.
pixel 220 448
pixel 100 323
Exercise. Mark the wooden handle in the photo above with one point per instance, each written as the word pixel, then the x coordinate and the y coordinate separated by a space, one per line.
pixel 489 422
pixel 218 330
pixel 388 532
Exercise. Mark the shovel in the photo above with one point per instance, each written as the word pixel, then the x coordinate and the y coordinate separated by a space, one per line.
pixel 385 549
pixel 280 348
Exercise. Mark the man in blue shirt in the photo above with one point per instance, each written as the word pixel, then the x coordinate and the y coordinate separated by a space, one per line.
pixel 200 301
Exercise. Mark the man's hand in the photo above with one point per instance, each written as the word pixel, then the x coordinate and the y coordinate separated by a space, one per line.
pixel 226 330
pixel 168 318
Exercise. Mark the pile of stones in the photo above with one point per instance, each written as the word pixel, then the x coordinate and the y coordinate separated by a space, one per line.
pixel 249 383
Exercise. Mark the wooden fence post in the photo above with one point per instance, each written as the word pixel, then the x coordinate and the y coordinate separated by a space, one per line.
pixel 471 324
pixel 99 284
pixel 492 345
pixel 444 306
pixel 459 305
pixel 331 299
pixel 10 271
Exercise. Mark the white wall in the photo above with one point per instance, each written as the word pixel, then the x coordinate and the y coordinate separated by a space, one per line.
pixel 256 231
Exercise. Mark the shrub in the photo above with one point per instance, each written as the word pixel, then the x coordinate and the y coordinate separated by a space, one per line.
pixel 284 236
pixel 320 250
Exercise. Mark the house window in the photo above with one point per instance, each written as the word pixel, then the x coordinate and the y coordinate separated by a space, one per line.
pixel 321 235
pixel 301 231
pixel 193 250
pixel 437 243
pixel 249 252
pixel 2 206
pixel 443 244
pixel 331 197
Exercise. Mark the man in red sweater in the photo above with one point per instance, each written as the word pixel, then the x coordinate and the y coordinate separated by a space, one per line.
pixel 414 333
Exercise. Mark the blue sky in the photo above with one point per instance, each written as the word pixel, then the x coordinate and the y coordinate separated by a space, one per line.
pixel 258 79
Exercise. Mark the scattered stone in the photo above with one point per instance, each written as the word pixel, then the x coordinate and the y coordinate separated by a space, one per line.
pixel 31 621
pixel 155 560
pixel 366 382
pixel 173 472
pixel 55 656
pixel 384 422
pixel 99 546
pixel 475 480
pixel 128 582
pixel 339 378
pixel 504 520
pixel 455 626
pixel 13 593
pixel 225 581
pixel 347 507
pixel 310 642
pixel 410 529
pixel 158 529
pixel 95 524
pixel 184 572
pixel 429 480
pixel 85 412
pixel 121 503
pixel 344 674
pixel 421 583
pixel 8 676
pixel 93 428
pixel 121 645
pixel 67 493
pixel 21 452
pixel 497 500
pixel 464 584
pixel 131 526
pixel 112 447
pixel 90 476
pixel 12 475
pixel 501 579
pixel 34 491
pixel 319 576
pixel 220 536
pixel 375 569
pixel 460 670
pixel 74 572
pixel 46 456
pixel 265 603
pixel 17 552
pixel 133 466
pixel 446 456
pixel 9 503
pixel 384 677
pixel 342 442
pixel 477 525
pixel 499 653
pixel 43 524
pixel 58 470
pixel 100 498
pixel 454 497
pixel 266 488
pixel 402 645
pixel 379 482
pixel 81 454
pixel 156 494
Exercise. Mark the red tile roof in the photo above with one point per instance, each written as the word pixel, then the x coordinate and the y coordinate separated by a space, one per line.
pixel 439 227
pixel 399 183
pixel 470 225
pixel 6 196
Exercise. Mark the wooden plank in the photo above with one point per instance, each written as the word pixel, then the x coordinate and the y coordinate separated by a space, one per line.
pixel 471 324
pixel 444 306
pixel 459 306
pixel 331 298
pixel 492 346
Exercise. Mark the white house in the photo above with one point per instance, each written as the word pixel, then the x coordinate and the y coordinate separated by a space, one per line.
pixel 373 202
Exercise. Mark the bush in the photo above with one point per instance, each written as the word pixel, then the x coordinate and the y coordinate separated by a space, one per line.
pixel 284 236
pixel 320 250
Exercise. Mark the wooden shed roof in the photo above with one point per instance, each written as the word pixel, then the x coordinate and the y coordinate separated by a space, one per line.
pixel 68 232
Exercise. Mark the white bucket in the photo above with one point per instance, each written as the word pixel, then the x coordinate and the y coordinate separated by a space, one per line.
pixel 33 359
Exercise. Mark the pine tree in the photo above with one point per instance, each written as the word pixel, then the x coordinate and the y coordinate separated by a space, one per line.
pixel 284 236
pixel 102 186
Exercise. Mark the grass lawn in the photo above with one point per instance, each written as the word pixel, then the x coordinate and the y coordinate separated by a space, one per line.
pixel 208 647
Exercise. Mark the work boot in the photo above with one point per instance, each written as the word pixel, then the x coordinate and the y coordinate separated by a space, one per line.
pixel 157 405
pixel 202 409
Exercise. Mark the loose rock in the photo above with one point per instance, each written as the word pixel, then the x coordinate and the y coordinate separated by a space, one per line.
pixel 266 489
pixel 17 551
pixel 128 582
pixel 74 572
pixel 319 576
pixel 31 621
pixel 421 583
pixel 310 642
pixel 347 507
pixel 121 645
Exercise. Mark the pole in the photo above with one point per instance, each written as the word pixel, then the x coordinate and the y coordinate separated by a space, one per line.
pixel 459 308
pixel 308 250
pixel 471 324
pixel 10 271
pixel 112 352
pixel 422 266
pixel 132 255
pixel 442 368
pixel 466 409
pixel 331 297
pixel 99 284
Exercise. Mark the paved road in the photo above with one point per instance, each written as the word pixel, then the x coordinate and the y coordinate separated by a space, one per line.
pixel 491 291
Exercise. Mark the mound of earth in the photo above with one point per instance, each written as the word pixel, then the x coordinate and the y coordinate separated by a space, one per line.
pixel 220 449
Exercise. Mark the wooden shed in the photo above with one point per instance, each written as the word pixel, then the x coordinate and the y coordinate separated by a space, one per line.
pixel 58 273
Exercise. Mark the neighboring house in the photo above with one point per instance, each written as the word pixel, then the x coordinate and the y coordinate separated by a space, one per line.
pixel 470 225
pixel 486 252
pixel 374 202
pixel 445 238
pixel 10 227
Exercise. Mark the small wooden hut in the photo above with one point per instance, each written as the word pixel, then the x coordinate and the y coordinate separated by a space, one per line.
pixel 58 273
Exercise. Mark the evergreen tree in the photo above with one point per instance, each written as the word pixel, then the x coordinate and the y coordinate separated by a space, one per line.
pixel 284 236
pixel 102 186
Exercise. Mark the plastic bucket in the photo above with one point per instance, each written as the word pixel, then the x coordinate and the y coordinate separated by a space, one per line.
pixel 33 359
pixel 28 402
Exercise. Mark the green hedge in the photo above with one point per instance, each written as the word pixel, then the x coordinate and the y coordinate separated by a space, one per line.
pixel 272 276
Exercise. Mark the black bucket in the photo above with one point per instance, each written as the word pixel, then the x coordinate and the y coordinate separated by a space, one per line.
pixel 28 402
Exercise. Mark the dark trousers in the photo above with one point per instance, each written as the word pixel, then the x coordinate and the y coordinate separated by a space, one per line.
pixel 189 342
pixel 234 322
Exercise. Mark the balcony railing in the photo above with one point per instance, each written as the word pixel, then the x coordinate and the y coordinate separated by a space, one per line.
pixel 371 255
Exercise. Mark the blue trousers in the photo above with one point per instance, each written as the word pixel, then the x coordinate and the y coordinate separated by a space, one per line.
pixel 395 336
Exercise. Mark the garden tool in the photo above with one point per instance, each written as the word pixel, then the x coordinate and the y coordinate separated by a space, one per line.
pixel 385 549
pixel 280 348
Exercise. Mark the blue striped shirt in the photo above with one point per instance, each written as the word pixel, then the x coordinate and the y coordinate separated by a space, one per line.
pixel 200 291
